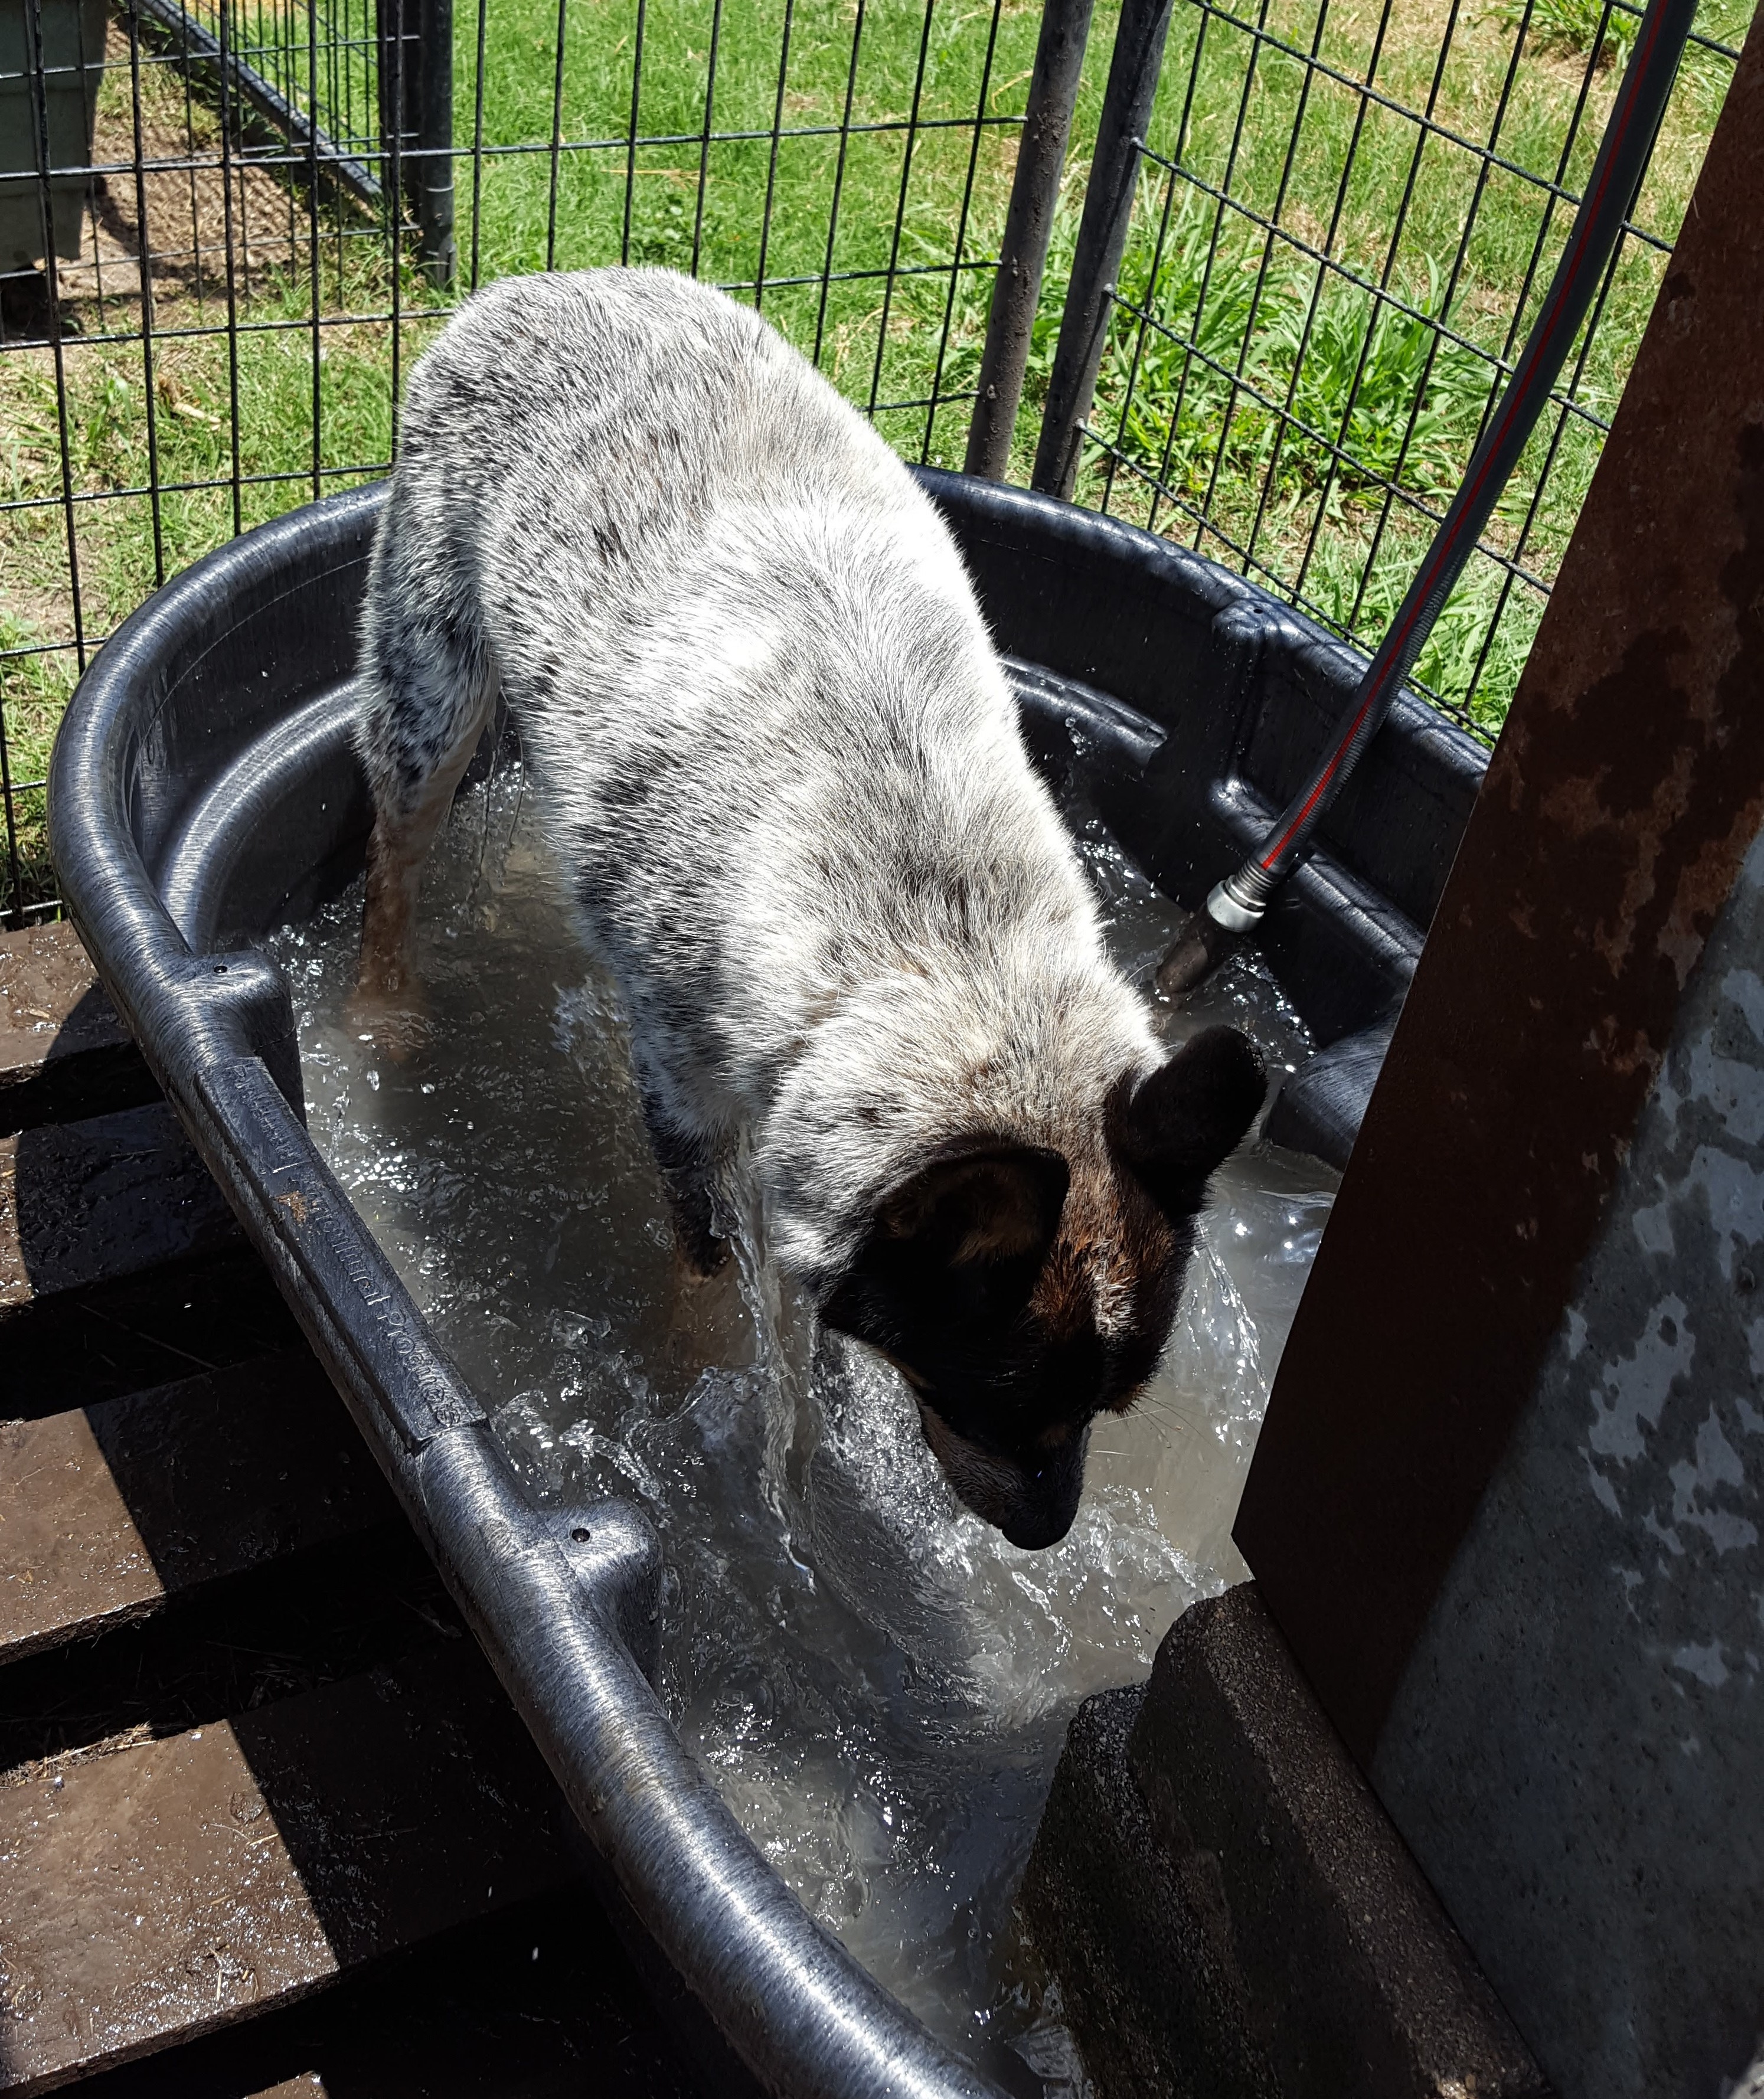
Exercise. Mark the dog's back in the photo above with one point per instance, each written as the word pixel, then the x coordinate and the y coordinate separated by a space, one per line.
pixel 774 744
pixel 782 775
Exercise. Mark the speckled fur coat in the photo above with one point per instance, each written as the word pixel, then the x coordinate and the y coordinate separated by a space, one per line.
pixel 776 756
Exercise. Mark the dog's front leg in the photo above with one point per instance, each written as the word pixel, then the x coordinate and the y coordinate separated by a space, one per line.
pixel 686 1168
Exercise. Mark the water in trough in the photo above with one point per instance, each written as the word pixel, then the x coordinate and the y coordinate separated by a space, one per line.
pixel 879 1682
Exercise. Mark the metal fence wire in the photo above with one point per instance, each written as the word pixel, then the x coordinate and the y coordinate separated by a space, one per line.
pixel 1291 253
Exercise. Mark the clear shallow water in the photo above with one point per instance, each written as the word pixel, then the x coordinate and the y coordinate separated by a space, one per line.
pixel 879 1683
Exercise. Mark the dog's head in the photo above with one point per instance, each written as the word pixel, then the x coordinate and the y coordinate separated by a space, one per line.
pixel 1022 1293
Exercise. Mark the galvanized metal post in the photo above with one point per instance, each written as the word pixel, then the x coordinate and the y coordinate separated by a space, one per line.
pixel 1059 60
pixel 415 40
pixel 1102 238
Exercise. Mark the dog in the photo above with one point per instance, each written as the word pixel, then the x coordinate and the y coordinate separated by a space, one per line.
pixel 779 769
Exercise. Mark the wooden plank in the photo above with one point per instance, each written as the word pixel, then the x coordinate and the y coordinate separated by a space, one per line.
pixel 112 1339
pixel 539 2002
pixel 176 1886
pixel 108 1512
pixel 281 1629
pixel 86 1202
pixel 64 1051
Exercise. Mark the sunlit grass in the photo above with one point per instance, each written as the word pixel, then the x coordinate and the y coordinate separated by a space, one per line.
pixel 1272 460
pixel 1259 415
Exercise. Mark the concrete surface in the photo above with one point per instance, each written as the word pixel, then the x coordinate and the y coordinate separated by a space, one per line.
pixel 1229 1911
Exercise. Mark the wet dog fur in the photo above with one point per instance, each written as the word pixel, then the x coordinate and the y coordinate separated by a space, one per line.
pixel 780 771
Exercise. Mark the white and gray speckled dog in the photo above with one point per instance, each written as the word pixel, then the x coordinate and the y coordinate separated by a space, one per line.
pixel 781 770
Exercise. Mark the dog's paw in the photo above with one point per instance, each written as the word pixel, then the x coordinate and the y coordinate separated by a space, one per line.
pixel 699 1256
pixel 397 1021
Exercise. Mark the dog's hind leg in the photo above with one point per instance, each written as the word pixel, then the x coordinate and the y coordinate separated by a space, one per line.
pixel 431 686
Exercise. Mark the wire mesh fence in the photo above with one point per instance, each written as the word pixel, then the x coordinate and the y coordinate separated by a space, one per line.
pixel 1345 221
pixel 259 212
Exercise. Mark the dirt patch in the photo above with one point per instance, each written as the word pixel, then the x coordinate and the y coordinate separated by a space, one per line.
pixel 205 210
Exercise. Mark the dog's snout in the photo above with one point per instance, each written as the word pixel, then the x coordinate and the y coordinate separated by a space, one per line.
pixel 1032 1500
pixel 1037 1528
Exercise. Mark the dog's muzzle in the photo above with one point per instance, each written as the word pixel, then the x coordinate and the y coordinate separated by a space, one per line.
pixel 1032 1500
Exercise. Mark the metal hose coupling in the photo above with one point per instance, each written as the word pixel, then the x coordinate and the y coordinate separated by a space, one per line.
pixel 1238 903
pixel 1232 912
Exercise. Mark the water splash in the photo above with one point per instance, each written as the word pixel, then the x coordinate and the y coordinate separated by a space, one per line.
pixel 879 1683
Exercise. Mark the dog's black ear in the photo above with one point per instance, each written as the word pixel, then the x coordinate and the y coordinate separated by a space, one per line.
pixel 953 1250
pixel 1190 1116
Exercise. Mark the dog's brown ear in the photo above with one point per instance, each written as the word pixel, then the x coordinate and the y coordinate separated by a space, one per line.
pixel 957 1243
pixel 1190 1116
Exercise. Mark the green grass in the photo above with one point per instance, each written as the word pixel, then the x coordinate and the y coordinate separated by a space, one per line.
pixel 1573 25
pixel 1194 411
pixel 1257 419
pixel 725 220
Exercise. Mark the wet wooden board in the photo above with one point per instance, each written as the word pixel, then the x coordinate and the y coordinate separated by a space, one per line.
pixel 86 1202
pixel 106 1512
pixel 64 1051
pixel 176 1896
pixel 176 1886
pixel 285 1628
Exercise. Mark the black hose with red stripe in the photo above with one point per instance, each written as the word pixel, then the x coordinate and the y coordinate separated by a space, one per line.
pixel 1236 906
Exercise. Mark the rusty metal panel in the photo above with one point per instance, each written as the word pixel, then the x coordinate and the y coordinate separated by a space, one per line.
pixel 1624 793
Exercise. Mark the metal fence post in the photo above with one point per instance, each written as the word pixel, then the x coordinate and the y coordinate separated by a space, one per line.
pixel 433 172
pixel 415 47
pixel 395 79
pixel 1102 238
pixel 1059 60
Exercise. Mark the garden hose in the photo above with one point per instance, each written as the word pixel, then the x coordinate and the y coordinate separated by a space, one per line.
pixel 1235 907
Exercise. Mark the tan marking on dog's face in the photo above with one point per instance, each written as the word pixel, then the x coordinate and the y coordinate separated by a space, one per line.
pixel 1057 1437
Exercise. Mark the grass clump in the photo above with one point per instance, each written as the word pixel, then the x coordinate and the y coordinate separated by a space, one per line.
pixel 1341 290
pixel 1575 27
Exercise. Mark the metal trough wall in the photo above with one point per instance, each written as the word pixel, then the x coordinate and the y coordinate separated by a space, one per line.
pixel 203 789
